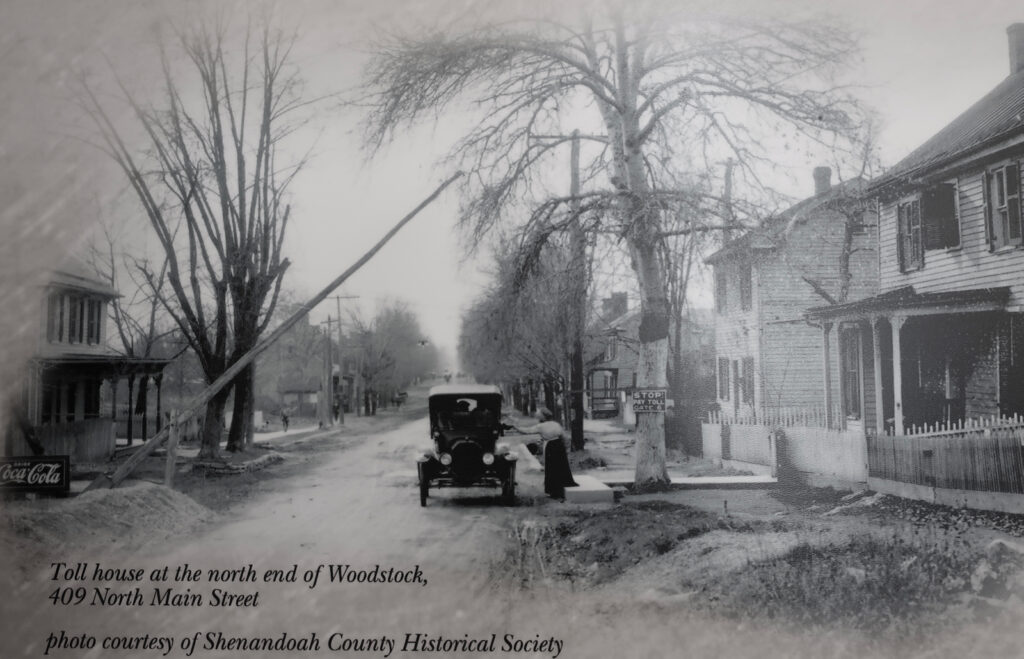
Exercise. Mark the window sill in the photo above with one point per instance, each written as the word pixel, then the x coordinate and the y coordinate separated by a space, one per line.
pixel 1006 248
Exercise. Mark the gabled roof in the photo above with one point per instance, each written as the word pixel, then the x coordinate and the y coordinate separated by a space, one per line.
pixel 996 117
pixel 773 230
pixel 74 274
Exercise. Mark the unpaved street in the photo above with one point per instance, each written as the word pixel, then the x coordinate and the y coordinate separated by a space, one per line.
pixel 358 507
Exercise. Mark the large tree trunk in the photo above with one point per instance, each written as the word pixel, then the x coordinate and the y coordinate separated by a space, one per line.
pixel 241 412
pixel 250 407
pixel 651 472
pixel 213 425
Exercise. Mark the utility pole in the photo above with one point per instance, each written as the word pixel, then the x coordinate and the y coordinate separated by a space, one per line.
pixel 581 279
pixel 578 245
pixel 341 356
pixel 326 381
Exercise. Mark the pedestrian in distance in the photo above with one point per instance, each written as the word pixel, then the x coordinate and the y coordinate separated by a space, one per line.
pixel 284 420
pixel 557 473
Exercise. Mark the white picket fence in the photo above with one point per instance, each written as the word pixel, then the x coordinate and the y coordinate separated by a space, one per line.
pixel 965 427
pixel 784 417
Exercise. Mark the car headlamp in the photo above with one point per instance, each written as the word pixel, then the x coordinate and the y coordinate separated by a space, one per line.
pixel 488 458
pixel 446 459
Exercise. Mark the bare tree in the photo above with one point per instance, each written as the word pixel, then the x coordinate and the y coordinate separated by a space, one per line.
pixel 214 193
pixel 139 316
pixel 523 327
pixel 391 351
pixel 667 91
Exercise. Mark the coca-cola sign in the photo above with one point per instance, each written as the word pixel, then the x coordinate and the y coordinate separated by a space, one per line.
pixel 44 473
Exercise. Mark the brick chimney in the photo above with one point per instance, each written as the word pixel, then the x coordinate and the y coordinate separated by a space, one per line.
pixel 822 180
pixel 614 306
pixel 1015 35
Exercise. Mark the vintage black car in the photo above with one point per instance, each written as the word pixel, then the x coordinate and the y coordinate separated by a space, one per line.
pixel 465 424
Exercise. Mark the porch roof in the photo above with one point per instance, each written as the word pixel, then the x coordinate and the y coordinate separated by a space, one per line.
pixel 907 300
pixel 105 365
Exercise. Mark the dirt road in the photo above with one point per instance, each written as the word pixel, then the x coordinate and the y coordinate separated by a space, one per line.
pixel 358 512
pixel 431 581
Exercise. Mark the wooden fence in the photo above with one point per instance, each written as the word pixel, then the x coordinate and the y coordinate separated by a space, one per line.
pixel 965 425
pixel 988 459
pixel 779 417
pixel 89 440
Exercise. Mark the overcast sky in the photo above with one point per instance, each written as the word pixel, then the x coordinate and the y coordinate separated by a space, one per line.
pixel 923 63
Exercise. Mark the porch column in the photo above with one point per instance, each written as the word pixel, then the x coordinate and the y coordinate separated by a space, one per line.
pixel 876 352
pixel 897 375
pixel 131 411
pixel 113 398
pixel 144 394
pixel 826 357
pixel 840 423
pixel 159 418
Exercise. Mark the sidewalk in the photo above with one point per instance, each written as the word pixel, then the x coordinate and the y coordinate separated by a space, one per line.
pixel 614 444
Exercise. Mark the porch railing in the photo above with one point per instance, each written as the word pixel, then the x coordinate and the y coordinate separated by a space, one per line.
pixel 984 456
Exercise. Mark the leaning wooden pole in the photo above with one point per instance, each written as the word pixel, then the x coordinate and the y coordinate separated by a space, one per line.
pixel 204 397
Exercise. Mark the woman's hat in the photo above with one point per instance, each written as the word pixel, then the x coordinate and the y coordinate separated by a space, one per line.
pixel 545 413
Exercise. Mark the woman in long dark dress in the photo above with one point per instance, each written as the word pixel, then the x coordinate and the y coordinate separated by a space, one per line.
pixel 557 473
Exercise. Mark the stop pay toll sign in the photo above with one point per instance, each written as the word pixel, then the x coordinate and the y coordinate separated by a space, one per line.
pixel 649 400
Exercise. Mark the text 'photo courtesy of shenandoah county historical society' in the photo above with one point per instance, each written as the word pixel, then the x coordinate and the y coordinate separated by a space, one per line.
pixel 660 328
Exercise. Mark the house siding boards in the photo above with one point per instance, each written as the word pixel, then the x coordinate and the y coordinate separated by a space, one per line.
pixel 973 265
pixel 737 335
pixel 787 351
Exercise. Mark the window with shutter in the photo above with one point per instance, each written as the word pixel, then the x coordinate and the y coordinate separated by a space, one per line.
pixel 720 289
pixel 748 380
pixel 939 218
pixel 909 243
pixel 54 317
pixel 75 320
pixel 1004 206
pixel 746 286
pixel 723 378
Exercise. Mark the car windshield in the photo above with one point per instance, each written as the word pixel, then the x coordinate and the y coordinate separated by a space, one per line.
pixel 465 412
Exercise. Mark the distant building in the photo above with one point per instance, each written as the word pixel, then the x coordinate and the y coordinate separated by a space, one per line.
pixel 614 349
pixel 70 389
pixel 768 356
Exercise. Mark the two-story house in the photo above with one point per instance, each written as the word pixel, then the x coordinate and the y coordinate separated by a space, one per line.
pixel 821 250
pixel 943 341
pixel 613 354
pixel 70 388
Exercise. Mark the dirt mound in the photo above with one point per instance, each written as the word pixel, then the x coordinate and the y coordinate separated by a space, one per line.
pixel 125 516
pixel 592 547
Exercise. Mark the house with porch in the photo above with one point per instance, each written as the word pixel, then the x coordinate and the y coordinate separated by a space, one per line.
pixel 934 362
pixel 822 249
pixel 611 357
pixel 68 402
pixel 613 354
